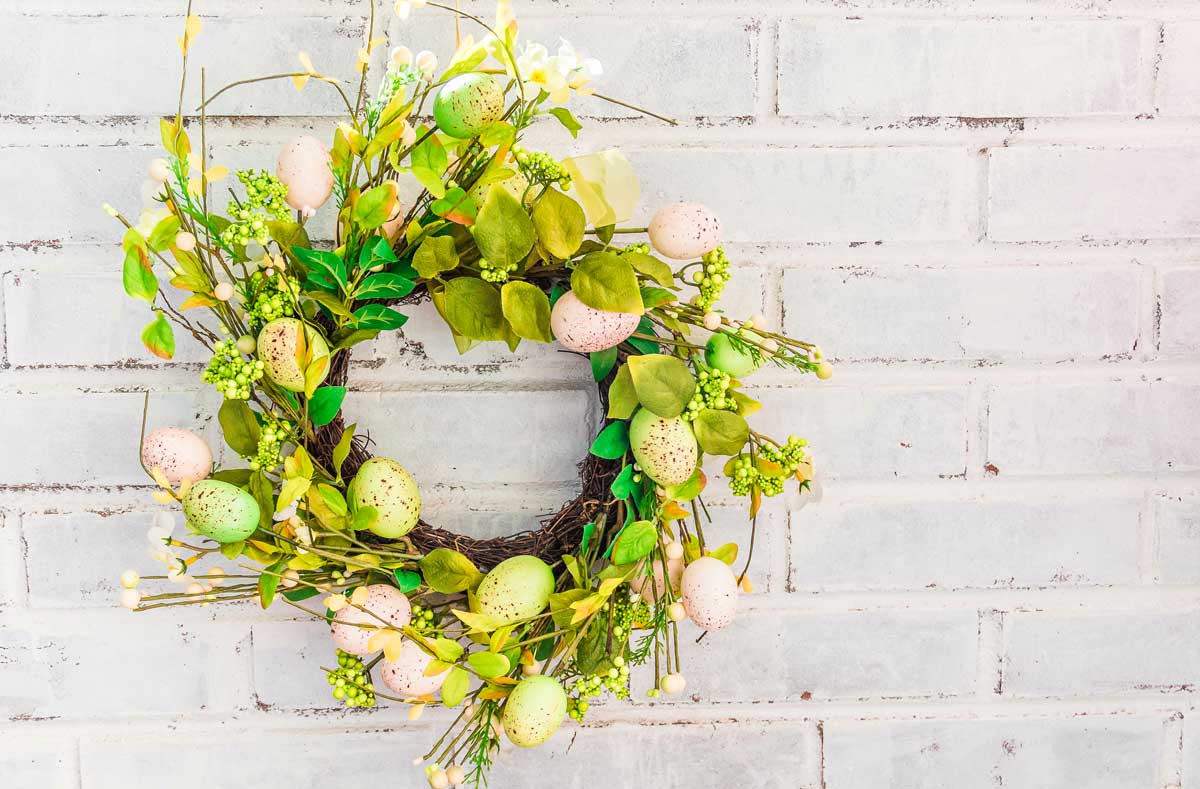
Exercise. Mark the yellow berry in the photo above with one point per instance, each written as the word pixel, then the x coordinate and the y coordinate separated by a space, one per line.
pixel 825 371
pixel 130 579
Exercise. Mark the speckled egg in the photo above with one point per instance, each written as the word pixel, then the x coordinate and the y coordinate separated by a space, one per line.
pixel 655 591
pixel 517 588
pixel 277 343
pixel 720 353
pixel 384 602
pixel 710 593
pixel 534 710
pixel 684 231
pixel 384 484
pixel 584 329
pixel 181 454
pixel 406 675
pixel 468 104
pixel 665 448
pixel 304 168
pixel 220 511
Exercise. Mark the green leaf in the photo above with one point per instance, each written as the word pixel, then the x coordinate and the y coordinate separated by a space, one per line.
pixel 436 254
pixel 263 492
pixel 656 297
pixel 503 231
pixel 325 403
pixel 474 309
pixel 234 476
pixel 159 337
pixel 560 605
pixel 288 234
pixel 454 689
pixel 622 396
pixel 384 286
pixel 526 307
pixel 301 593
pixel 429 160
pixel 489 664
pixel 636 541
pixel 565 117
pixel 375 206
pixel 652 267
pixel 603 362
pixel 333 499
pixel 559 222
pixel 664 384
pixel 329 302
pixel 481 623
pixel 342 450
pixel 448 571
pixel 721 432
pixel 352 338
pixel 727 553
pixel 239 427
pixel 164 233
pixel 326 264
pixel 268 582
pixel 644 346
pixel 232 550
pixel 457 206
pixel 378 316
pixel 136 276
pixel 623 486
pixel 446 650
pixel 613 441
pixel 604 281
pixel 407 580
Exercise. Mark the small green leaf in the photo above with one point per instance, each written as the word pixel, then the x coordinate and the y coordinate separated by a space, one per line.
pixel 159 337
pixel 622 396
pixel 603 362
pixel 375 206
pixel 329 302
pixel 664 384
pixel 560 605
pixel 384 286
pixel 613 441
pixel 239 427
pixel 474 310
pixel 454 689
pixel 727 553
pixel 652 267
pixel 448 571
pixel 559 222
pixel 446 650
pixel 234 476
pixel 480 623
pixel 378 316
pixel 232 550
pixel 635 542
pixel 656 297
pixel 268 582
pixel 623 486
pixel 288 234
pixel 325 264
pixel 325 403
pixel 407 580
pixel 137 278
pixel 489 664
pixel 301 593
pixel 527 309
pixel 503 231
pixel 164 233
pixel 604 281
pixel 429 161
pixel 457 206
pixel 437 254
pixel 568 121
pixel 721 432
pixel 342 450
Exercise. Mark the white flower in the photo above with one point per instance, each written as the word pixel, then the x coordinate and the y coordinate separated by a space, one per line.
pixel 426 62
pixel 557 74
pixel 401 57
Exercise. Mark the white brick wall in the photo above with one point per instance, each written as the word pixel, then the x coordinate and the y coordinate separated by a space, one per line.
pixel 986 210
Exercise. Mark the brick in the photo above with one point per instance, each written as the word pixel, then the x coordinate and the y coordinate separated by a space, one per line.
pixel 1178 543
pixel 871 433
pixel 999 67
pixel 1109 427
pixel 1142 192
pixel 1101 652
pixel 1179 71
pixel 37 763
pixel 962 314
pixel 1104 752
pixel 992 541
pixel 52 429
pixel 1179 316
pixel 533 436
pixel 848 194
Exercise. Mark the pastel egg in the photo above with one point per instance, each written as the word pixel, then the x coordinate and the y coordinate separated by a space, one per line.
pixel 684 231
pixel 468 104
pixel 386 486
pixel 721 353
pixel 385 603
pixel 534 710
pixel 181 454
pixel 406 675
pixel 655 591
pixel 517 588
pixel 585 329
pixel 710 593
pixel 278 343
pixel 220 511
pixel 304 168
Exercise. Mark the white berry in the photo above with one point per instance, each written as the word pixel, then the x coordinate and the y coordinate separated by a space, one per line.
pixel 674 550
pixel 130 598
pixel 676 612
pixel 673 683
pixel 223 291
pixel 160 171
pixel 130 579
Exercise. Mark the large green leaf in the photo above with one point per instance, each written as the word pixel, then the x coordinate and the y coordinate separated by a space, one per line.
pixel 325 403
pixel 159 337
pixel 503 231
pixel 375 206
pixel 613 441
pixel 474 310
pixel 435 255
pixel 652 267
pixel 664 384
pixel 448 571
pixel 378 316
pixel 384 286
pixel 137 278
pixel 454 689
pixel 635 541
pixel 559 222
pixel 622 396
pixel 604 281
pixel 526 307
pixel 239 427
pixel 325 264
pixel 720 432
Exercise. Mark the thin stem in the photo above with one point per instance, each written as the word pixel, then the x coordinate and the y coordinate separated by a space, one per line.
pixel 320 78
pixel 635 108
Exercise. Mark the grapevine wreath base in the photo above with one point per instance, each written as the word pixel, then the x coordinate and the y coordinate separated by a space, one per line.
pixel 510 245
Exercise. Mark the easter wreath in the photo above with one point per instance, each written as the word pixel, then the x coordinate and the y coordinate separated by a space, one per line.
pixel 519 631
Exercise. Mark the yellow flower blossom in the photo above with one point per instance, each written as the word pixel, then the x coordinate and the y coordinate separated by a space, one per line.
pixel 301 80
pixel 405 7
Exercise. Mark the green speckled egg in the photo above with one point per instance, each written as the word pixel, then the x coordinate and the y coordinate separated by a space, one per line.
pixel 220 511
pixel 385 485
pixel 721 354
pixel 277 349
pixel 517 588
pixel 534 710
pixel 468 104
pixel 664 447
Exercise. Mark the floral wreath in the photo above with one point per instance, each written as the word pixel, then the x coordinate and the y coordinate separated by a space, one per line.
pixel 510 244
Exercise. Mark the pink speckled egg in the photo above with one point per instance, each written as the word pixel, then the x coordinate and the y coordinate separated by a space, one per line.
pixel 406 675
pixel 654 591
pixel 684 231
pixel 385 602
pixel 304 169
pixel 710 593
pixel 179 453
pixel 582 328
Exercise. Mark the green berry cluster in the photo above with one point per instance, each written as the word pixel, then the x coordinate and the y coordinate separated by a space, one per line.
pixel 270 445
pixel 640 248
pixel 350 682
pixel 264 201
pixel 492 272
pixel 541 168
pixel 615 680
pixel 712 278
pixel 423 619
pixel 712 391
pixel 230 372
pixel 269 297
pixel 789 456
pixel 746 477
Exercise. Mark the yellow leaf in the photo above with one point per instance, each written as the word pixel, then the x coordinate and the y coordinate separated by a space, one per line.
pixel 306 61
pixel 293 489
pixel 606 184
pixel 157 474
pixel 162 497
pixel 609 585
pixel 747 587
pixel 195 188
pixel 216 173
pixel 300 81
pixel 191 28
pixel 198 300
pixel 392 648
pixel 360 63
pixel 360 595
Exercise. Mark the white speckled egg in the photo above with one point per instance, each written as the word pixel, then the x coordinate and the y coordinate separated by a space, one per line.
pixel 584 329
pixel 304 169
pixel 406 675
pixel 385 602
pixel 650 592
pixel 684 231
pixel 179 453
pixel 710 593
